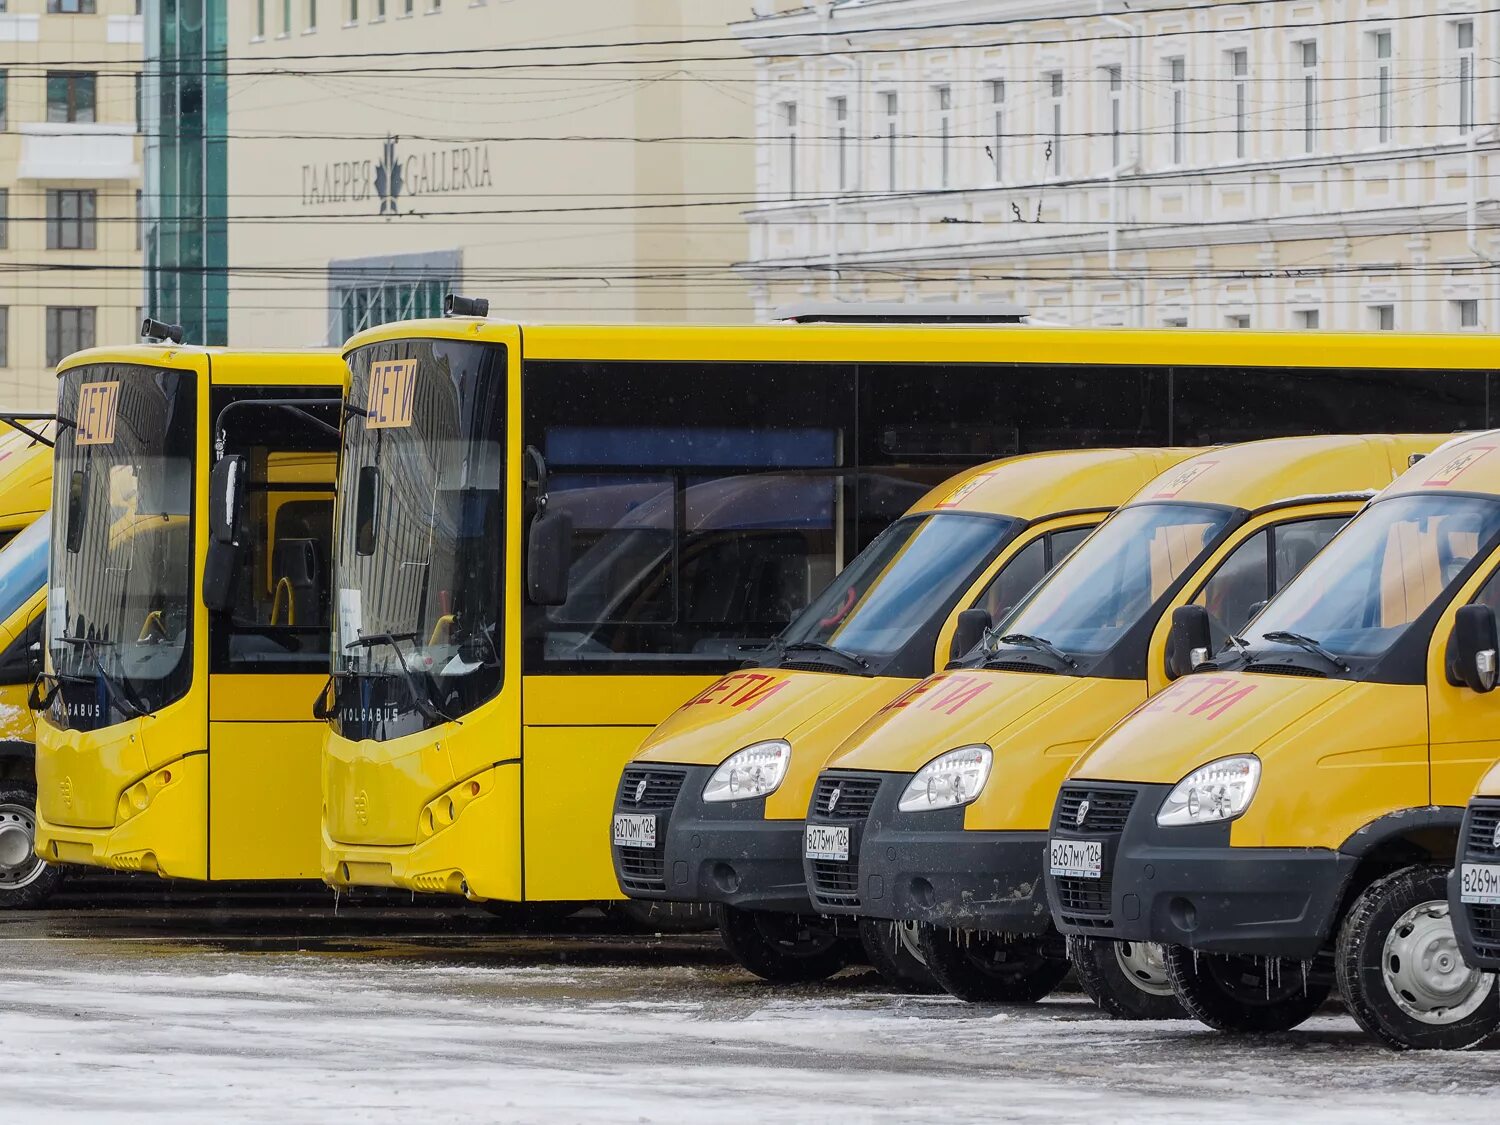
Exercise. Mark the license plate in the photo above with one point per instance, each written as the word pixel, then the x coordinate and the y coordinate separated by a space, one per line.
pixel 1080 859
pixel 635 830
pixel 1479 883
pixel 827 841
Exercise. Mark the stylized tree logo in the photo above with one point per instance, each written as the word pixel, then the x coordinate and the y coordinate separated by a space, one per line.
pixel 388 178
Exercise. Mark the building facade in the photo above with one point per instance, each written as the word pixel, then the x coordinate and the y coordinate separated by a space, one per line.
pixel 1318 164
pixel 70 186
pixel 383 152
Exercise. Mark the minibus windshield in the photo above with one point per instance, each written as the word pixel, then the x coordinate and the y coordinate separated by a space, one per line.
pixel 420 532
pixel 1107 585
pixel 120 610
pixel 23 566
pixel 911 571
pixel 1388 566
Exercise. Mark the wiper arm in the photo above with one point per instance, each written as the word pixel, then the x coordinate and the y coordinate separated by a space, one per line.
pixel 422 700
pixel 819 646
pixel 114 690
pixel 1308 644
pixel 1041 644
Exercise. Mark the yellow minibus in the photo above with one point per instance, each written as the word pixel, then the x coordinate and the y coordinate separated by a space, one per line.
pixel 711 808
pixel 1286 817
pixel 941 803
pixel 188 611
pixel 553 535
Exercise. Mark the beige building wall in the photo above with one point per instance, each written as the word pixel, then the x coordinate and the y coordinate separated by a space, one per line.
pixel 1274 165
pixel 566 188
pixel 99 286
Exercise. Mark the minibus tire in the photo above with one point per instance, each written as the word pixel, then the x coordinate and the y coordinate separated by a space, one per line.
pixel 1229 992
pixel 893 958
pixel 989 968
pixel 1407 913
pixel 1116 989
pixel 782 948
pixel 26 885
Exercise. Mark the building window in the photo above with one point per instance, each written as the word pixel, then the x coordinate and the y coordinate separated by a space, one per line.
pixel 69 329
pixel 4 97
pixel 406 7
pixel 1465 34
pixel 70 95
pixel 286 18
pixel 1055 84
pixel 1466 313
pixel 71 7
pixel 892 153
pixel 997 131
pixel 365 306
pixel 1306 319
pixel 1383 318
pixel 943 102
pixel 1178 69
pixel 353 11
pixel 1309 56
pixel 4 336
pixel 839 111
pixel 139 105
pixel 789 124
pixel 312 15
pixel 1174 322
pixel 139 218
pixel 260 19
pixel 71 220
pixel 1383 86
pixel 1116 113
pixel 4 218
pixel 1238 320
pixel 380 9
pixel 1239 70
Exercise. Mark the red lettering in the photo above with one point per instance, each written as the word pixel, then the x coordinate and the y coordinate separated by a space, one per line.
pixel 1223 699
pixel 757 695
pixel 962 691
pixel 914 692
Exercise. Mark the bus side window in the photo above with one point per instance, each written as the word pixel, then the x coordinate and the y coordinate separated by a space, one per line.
pixel 1257 569
pixel 1489 593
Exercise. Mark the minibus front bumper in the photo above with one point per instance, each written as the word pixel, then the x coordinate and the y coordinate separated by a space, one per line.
pixel 721 851
pixel 923 866
pixel 1186 885
pixel 1476 925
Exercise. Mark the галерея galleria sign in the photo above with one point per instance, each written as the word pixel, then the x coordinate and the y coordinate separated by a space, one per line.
pixel 397 177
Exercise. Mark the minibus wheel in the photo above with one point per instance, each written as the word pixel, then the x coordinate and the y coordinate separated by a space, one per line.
pixel 1236 993
pixel 1400 970
pixel 780 947
pixel 990 968
pixel 1126 980
pixel 25 881
pixel 894 950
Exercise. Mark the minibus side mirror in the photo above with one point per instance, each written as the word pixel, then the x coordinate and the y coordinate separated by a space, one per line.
pixel 968 631
pixel 549 557
pixel 226 506
pixel 366 509
pixel 1188 641
pixel 1471 652
pixel 78 487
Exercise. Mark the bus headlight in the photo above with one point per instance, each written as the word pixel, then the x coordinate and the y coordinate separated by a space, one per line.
pixel 949 780
pixel 749 773
pixel 1218 791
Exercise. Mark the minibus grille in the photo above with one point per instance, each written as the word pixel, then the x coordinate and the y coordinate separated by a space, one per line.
pixel 662 787
pixel 1483 832
pixel 642 870
pixel 835 882
pixel 1484 924
pixel 1085 902
pixel 856 797
pixel 1108 810
pixel 1286 670
pixel 1019 666
pixel 645 869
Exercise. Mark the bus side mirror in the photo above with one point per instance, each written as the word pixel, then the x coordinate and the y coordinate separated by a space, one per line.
pixel 1188 641
pixel 1471 652
pixel 226 506
pixel 549 557
pixel 78 487
pixel 366 509
pixel 968 631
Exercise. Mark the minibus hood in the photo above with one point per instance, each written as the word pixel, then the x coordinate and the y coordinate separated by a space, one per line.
pixel 1201 718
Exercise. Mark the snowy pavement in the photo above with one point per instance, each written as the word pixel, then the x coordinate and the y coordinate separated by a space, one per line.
pixel 165 1023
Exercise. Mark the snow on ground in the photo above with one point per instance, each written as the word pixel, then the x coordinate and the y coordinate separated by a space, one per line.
pixel 164 1032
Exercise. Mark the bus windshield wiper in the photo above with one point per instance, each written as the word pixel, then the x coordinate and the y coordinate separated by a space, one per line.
pixel 113 689
pixel 1041 644
pixel 1306 643
pixel 827 649
pixel 421 700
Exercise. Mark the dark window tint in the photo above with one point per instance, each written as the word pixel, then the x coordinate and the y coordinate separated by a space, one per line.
pixel 1256 569
pixel 1025 569
pixel 22 658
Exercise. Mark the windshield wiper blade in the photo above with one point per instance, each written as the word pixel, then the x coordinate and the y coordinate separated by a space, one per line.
pixel 819 646
pixel 1308 644
pixel 421 700
pixel 114 690
pixel 1041 644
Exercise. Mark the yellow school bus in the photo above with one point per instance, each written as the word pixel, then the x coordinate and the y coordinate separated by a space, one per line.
pixel 1286 816
pixel 188 611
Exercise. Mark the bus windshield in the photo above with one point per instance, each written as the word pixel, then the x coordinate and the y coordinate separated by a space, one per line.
pixel 1109 583
pixel 1358 596
pixel 417 618
pixel 23 566
pixel 120 610
pixel 910 573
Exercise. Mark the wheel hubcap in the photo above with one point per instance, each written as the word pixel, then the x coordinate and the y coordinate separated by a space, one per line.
pixel 19 865
pixel 1424 972
pixel 1143 966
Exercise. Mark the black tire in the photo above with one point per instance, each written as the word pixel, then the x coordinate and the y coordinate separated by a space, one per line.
pixel 782 948
pixel 1125 981
pixel 25 881
pixel 891 953
pixel 986 968
pixel 1400 971
pixel 1233 993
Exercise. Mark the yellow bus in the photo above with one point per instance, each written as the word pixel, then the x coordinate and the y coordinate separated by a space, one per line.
pixel 187 618
pixel 551 536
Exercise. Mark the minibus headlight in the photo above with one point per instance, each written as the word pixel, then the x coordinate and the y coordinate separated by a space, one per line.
pixel 1218 791
pixel 949 780
pixel 749 773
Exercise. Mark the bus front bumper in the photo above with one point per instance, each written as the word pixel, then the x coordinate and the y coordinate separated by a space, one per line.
pixel 1477 925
